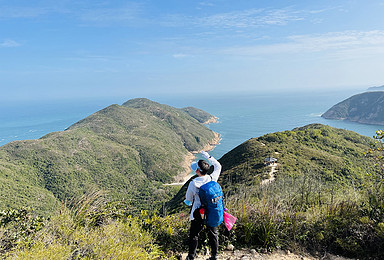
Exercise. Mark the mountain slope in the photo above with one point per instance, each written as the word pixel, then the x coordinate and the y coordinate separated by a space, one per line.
pixel 326 196
pixel 316 148
pixel 366 108
pixel 331 153
pixel 128 150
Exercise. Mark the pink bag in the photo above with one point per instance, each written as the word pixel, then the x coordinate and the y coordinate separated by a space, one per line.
pixel 229 220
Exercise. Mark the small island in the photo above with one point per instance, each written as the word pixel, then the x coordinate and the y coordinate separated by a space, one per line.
pixel 364 108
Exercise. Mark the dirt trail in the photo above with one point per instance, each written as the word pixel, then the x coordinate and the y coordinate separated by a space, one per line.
pixel 271 175
pixel 246 254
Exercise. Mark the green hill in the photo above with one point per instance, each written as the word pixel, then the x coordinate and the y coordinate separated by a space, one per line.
pixel 128 150
pixel 326 195
pixel 365 108
pixel 315 147
pixel 337 156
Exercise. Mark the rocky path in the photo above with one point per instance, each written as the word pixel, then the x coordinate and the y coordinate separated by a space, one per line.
pixel 252 254
pixel 271 175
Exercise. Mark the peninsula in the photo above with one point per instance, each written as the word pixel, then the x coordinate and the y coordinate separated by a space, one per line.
pixel 365 108
pixel 379 88
pixel 128 150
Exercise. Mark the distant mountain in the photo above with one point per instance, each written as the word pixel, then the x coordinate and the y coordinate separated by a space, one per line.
pixel 129 151
pixel 381 88
pixel 313 148
pixel 365 108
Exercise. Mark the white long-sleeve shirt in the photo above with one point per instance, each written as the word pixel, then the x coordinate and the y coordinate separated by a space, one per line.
pixel 193 188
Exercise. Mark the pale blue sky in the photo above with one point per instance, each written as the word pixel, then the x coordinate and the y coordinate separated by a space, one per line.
pixel 97 48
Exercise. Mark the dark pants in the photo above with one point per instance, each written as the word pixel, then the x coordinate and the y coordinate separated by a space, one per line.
pixel 196 227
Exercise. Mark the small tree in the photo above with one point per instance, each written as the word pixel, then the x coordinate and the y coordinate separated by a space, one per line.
pixel 375 189
pixel 378 148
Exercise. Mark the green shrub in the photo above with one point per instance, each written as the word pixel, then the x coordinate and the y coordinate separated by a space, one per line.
pixel 18 226
pixel 116 240
pixel 171 232
pixel 73 233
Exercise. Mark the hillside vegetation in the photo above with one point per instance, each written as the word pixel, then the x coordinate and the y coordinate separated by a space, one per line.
pixel 337 157
pixel 333 154
pixel 128 150
pixel 327 195
pixel 366 108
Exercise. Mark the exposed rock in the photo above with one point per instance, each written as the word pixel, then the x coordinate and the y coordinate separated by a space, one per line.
pixel 230 247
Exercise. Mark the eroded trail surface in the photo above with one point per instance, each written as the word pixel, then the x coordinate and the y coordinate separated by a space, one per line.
pixel 252 254
pixel 271 175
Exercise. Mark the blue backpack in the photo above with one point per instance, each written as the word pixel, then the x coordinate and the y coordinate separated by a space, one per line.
pixel 211 197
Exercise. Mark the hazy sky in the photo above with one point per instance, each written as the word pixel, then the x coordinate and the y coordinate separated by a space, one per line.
pixel 100 48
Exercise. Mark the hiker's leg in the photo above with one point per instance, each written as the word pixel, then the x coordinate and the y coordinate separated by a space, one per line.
pixel 196 227
pixel 213 241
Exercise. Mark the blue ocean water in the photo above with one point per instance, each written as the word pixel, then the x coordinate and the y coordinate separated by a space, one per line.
pixel 33 119
pixel 248 115
pixel 241 116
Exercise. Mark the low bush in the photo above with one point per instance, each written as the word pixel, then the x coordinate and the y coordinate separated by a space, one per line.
pixel 73 233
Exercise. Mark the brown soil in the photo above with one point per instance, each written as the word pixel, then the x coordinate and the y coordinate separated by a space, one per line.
pixel 246 254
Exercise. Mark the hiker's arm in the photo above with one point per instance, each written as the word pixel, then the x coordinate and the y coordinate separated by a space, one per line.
pixel 217 169
pixel 216 165
pixel 189 195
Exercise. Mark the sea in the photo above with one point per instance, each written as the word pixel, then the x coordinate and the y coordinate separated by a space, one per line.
pixel 241 116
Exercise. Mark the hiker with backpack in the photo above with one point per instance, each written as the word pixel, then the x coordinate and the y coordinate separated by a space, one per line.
pixel 206 197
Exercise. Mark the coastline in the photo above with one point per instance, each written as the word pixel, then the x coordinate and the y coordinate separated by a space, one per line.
pixel 212 120
pixel 184 176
